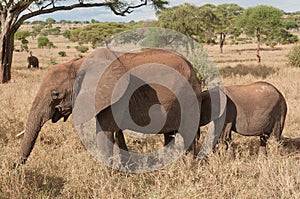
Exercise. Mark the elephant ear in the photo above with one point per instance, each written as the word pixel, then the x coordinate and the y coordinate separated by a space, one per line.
pixel 112 86
pixel 94 85
pixel 77 86
pixel 80 97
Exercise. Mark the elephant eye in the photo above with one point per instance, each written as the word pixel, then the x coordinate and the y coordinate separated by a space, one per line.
pixel 54 94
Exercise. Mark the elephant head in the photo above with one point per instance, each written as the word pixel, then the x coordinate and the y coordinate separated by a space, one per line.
pixel 52 101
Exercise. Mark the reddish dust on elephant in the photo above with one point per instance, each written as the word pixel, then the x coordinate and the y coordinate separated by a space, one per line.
pixel 257 109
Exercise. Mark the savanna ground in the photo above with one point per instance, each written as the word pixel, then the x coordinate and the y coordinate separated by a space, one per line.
pixel 61 167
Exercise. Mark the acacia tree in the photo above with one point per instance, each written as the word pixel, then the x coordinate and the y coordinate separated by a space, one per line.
pixel 209 19
pixel 96 33
pixel 227 14
pixel 264 23
pixel 183 18
pixel 14 12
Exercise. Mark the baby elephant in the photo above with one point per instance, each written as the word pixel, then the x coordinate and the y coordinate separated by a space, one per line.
pixel 32 61
pixel 256 109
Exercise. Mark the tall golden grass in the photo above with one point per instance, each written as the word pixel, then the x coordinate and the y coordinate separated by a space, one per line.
pixel 61 167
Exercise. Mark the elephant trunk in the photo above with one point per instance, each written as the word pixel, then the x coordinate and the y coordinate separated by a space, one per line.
pixel 40 112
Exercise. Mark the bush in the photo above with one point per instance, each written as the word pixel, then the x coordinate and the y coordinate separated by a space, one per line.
pixel 44 42
pixel 62 53
pixel 294 56
pixel 53 61
pixel 82 49
pixel 24 47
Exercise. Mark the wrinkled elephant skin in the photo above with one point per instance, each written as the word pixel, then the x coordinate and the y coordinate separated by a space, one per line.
pixel 54 98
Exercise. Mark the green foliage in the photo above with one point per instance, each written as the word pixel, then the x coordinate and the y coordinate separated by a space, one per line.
pixel 37 29
pixel 50 21
pixel 186 19
pixel 294 56
pixel 97 33
pixel 21 35
pixel 77 22
pixel 289 24
pixel 53 61
pixel 130 36
pixel 265 23
pixel 82 48
pixel 94 21
pixel 44 42
pixel 67 34
pixel 39 23
pixel 162 38
pixel 24 47
pixel 65 21
pixel 62 53
pixel 292 20
pixel 201 23
pixel 227 15
pixel 51 31
pixel 262 17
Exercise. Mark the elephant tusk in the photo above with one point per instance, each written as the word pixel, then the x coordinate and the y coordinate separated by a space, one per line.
pixel 21 133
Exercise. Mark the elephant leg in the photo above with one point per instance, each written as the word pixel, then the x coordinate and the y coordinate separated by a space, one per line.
pixel 120 140
pixel 212 137
pixel 189 140
pixel 168 138
pixel 124 154
pixel 263 143
pixel 194 145
pixel 105 145
pixel 227 139
pixel 226 135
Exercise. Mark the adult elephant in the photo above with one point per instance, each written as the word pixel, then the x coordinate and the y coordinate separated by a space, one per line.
pixel 97 77
pixel 256 109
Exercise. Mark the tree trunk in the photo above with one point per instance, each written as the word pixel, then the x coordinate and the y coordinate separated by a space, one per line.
pixel 258 57
pixel 222 40
pixel 6 44
pixel 6 57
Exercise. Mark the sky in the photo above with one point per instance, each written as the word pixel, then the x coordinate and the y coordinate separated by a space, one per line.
pixel 148 13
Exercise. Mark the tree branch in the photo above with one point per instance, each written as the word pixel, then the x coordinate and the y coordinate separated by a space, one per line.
pixel 126 10
pixel 112 5
pixel 54 9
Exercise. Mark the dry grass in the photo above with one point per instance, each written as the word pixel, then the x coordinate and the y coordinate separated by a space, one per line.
pixel 60 166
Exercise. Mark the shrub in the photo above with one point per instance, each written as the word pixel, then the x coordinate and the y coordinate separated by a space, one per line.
pixel 24 47
pixel 67 34
pixel 50 31
pixel 62 53
pixel 294 56
pixel 82 49
pixel 22 35
pixel 44 42
pixel 53 61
